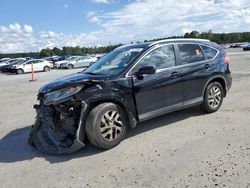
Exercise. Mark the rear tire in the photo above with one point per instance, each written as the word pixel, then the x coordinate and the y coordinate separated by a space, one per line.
pixel 70 66
pixel 213 97
pixel 19 71
pixel 46 69
pixel 106 125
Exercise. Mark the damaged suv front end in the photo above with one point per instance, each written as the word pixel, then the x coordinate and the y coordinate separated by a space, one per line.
pixel 57 129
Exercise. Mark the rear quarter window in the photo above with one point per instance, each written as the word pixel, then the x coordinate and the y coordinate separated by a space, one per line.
pixel 209 53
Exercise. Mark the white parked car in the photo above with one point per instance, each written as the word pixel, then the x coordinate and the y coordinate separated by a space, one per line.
pixel 58 64
pixel 77 62
pixel 38 65
pixel 4 59
pixel 9 61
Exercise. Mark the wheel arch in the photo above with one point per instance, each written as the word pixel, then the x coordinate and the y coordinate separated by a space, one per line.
pixel 47 67
pixel 71 64
pixel 131 119
pixel 219 79
pixel 21 70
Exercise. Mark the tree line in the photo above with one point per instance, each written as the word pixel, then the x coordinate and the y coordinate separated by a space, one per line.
pixel 66 51
pixel 220 38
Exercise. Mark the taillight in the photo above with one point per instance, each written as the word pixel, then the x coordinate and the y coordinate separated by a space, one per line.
pixel 227 59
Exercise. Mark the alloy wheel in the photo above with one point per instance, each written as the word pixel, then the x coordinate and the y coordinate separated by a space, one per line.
pixel 214 97
pixel 111 126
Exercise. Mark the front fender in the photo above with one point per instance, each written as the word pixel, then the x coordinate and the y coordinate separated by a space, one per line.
pixel 119 92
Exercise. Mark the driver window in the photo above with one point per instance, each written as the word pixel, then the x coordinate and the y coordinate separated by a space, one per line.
pixel 28 63
pixel 160 58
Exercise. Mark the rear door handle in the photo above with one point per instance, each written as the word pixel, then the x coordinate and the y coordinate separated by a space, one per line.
pixel 207 66
pixel 174 74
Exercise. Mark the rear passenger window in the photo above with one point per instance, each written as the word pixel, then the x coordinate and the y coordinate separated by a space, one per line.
pixel 190 53
pixel 209 53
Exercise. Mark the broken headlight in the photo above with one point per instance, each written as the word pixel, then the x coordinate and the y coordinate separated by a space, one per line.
pixel 61 94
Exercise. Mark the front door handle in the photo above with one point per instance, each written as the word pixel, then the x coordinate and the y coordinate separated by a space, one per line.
pixel 207 66
pixel 174 74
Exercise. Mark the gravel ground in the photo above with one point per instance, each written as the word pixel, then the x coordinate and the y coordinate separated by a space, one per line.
pixel 181 149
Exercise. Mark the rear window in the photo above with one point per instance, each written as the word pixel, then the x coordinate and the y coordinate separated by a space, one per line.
pixel 209 53
pixel 190 53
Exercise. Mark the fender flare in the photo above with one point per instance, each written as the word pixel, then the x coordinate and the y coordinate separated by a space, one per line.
pixel 132 119
pixel 212 78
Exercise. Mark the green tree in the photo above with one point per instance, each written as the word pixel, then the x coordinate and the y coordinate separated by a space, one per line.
pixel 56 51
pixel 45 52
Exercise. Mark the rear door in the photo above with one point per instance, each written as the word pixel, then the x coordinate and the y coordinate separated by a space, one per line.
pixel 84 61
pixel 27 66
pixel 77 62
pixel 196 69
pixel 38 65
pixel 158 93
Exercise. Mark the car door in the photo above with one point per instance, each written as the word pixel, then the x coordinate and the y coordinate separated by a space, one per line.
pixel 158 93
pixel 196 69
pixel 27 66
pixel 82 61
pixel 38 65
pixel 85 61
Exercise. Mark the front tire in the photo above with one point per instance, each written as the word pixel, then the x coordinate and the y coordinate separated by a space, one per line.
pixel 106 125
pixel 213 97
pixel 19 71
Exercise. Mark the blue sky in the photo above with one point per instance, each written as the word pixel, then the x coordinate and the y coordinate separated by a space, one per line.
pixel 30 25
pixel 67 16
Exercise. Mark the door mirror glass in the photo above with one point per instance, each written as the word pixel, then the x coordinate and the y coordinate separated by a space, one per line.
pixel 145 70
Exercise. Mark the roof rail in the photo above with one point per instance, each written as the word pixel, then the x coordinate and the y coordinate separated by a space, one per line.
pixel 178 39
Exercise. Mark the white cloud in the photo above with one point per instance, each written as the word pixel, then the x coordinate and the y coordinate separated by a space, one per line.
pixel 92 17
pixel 15 27
pixel 28 29
pixel 138 20
pixel 3 29
pixel 66 6
pixel 160 18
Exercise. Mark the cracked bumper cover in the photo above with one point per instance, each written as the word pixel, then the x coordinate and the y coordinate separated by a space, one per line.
pixel 58 130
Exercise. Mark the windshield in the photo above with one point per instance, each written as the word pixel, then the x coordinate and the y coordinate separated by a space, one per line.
pixel 114 62
pixel 19 62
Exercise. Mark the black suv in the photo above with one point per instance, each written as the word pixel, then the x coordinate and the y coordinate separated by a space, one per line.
pixel 131 84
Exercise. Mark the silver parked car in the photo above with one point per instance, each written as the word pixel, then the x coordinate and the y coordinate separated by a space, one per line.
pixel 79 61
pixel 59 64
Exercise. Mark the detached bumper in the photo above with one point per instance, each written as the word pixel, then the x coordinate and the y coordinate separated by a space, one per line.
pixel 56 130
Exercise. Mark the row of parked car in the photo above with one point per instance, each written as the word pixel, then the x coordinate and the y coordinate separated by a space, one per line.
pixel 245 46
pixel 24 65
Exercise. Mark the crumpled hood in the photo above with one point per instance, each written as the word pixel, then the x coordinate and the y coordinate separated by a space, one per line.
pixel 70 80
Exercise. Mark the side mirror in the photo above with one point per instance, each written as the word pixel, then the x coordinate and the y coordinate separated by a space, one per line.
pixel 145 70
